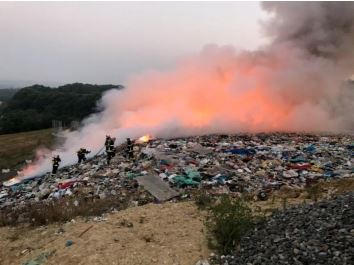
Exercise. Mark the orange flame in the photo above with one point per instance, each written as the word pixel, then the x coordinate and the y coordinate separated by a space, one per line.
pixel 144 138
pixel 30 169
pixel 12 181
pixel 27 171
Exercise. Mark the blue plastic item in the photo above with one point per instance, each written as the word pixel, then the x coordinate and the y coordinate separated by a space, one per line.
pixel 310 149
pixel 69 243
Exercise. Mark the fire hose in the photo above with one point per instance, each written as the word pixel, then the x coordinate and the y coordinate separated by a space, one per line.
pixel 98 152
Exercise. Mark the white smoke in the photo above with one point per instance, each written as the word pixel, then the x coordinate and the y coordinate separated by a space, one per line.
pixel 293 84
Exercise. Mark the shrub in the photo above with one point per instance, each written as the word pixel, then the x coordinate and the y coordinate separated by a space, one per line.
pixel 284 203
pixel 227 222
pixel 314 192
pixel 203 200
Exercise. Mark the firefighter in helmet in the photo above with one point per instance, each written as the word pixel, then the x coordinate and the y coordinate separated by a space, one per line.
pixel 108 140
pixel 110 150
pixel 56 161
pixel 130 149
pixel 81 155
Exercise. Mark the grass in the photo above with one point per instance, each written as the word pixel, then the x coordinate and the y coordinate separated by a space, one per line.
pixel 314 192
pixel 203 200
pixel 60 211
pixel 18 147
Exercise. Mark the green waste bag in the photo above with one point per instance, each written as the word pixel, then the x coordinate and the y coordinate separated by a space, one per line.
pixel 180 181
pixel 194 175
pixel 131 175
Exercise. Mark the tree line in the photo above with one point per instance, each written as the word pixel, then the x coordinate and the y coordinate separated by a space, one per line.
pixel 7 93
pixel 34 107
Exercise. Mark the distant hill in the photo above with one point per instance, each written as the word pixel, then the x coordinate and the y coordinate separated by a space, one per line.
pixel 20 83
pixel 34 107
pixel 7 94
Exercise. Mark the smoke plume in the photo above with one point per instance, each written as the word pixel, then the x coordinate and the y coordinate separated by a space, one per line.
pixel 296 83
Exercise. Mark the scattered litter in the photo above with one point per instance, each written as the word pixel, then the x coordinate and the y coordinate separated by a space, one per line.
pixel 41 259
pixel 68 243
pixel 126 223
pixel 99 219
pixel 60 231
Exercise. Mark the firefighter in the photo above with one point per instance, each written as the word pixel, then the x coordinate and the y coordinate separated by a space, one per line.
pixel 81 154
pixel 111 152
pixel 107 142
pixel 56 160
pixel 130 149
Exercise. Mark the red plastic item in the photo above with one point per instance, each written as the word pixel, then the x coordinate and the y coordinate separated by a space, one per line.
pixel 300 167
pixel 66 185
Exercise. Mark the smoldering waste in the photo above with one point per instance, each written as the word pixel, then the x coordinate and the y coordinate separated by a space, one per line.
pixel 217 164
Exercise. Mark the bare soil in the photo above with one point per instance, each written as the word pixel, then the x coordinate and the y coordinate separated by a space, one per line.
pixel 170 233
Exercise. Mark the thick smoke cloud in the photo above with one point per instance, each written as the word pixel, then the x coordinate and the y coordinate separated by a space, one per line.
pixel 293 84
pixel 322 33
pixel 322 29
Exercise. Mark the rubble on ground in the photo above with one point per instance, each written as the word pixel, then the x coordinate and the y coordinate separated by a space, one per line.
pixel 218 164
pixel 321 233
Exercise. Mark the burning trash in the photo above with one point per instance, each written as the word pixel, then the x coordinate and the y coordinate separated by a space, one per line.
pixel 297 82
pixel 294 83
pixel 212 163
pixel 144 139
pixel 12 181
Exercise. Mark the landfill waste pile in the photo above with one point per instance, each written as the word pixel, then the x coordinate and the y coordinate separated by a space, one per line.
pixel 321 233
pixel 255 164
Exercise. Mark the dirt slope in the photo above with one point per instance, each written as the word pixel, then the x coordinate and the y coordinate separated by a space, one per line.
pixel 170 233
pixel 17 147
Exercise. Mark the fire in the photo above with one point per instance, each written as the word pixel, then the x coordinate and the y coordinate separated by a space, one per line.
pixel 288 85
pixel 144 139
pixel 12 181
pixel 28 171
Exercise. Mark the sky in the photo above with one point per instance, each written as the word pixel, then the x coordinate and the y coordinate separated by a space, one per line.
pixel 105 42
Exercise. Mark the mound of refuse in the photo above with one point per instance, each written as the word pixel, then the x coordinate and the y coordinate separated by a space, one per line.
pixel 165 169
pixel 321 233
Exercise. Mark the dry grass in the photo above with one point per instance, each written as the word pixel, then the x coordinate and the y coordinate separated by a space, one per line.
pixel 16 148
pixel 66 209
pixel 339 186
pixel 316 192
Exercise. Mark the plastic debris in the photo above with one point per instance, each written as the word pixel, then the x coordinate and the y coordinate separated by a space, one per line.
pixel 40 259
pixel 218 164
pixel 68 243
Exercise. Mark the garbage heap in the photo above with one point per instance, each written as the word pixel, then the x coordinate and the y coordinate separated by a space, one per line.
pixel 217 164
